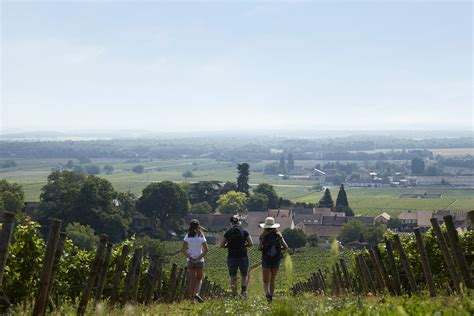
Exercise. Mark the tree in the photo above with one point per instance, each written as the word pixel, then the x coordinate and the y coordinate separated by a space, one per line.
pixel 9 164
pixel 342 197
pixel 11 197
pixel 417 166
pixel 138 169
pixel 89 200
pixel 78 169
pixel 342 204
pixel 269 191
pixel 93 169
pixel 326 200
pixel 206 191
pixel 313 240
pixel 59 195
pixel 271 168
pixel 227 187
pixel 295 238
pixel 70 164
pixel 257 202
pixel 243 178
pixel 374 234
pixel 394 223
pixel 109 169
pixel 83 236
pixel 165 202
pixel 201 208
pixel 353 231
pixel 432 171
pixel 232 202
pixel 291 162
pixel 281 165
pixel 188 174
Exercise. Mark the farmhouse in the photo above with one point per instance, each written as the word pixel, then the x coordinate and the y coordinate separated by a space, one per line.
pixel 382 218
pixel 411 219
pixel 211 222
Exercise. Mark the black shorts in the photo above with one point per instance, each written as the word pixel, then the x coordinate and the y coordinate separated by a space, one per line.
pixel 273 265
pixel 235 264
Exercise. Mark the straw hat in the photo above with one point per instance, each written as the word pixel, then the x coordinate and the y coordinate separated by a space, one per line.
pixel 269 223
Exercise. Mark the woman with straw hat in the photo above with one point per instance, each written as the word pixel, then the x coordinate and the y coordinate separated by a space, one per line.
pixel 271 244
pixel 194 249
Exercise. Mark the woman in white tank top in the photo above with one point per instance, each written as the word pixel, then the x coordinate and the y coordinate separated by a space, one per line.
pixel 194 249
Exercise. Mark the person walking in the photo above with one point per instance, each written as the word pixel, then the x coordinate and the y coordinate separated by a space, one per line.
pixel 236 240
pixel 271 243
pixel 194 248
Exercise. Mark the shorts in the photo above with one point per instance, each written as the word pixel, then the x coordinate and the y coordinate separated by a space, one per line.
pixel 273 265
pixel 195 265
pixel 241 264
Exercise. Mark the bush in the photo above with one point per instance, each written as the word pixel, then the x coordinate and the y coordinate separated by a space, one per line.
pixel 83 236
pixel 188 174
pixel 201 208
pixel 138 169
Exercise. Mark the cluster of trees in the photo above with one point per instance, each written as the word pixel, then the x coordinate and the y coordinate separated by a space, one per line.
pixel 8 164
pixel 465 162
pixel 419 168
pixel 208 196
pixel 283 166
pixel 11 197
pixel 89 200
pixel 342 203
pixel 386 155
pixel 357 231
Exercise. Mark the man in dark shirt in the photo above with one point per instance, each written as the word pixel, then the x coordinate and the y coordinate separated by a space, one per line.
pixel 236 240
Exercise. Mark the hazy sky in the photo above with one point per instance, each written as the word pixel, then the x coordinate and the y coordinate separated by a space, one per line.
pixel 205 66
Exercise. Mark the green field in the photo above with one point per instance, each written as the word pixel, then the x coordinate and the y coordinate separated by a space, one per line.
pixel 32 175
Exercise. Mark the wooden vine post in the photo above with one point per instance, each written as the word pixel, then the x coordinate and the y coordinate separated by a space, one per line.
pixel 386 278
pixel 458 252
pixel 393 267
pixel 345 271
pixel 93 272
pixel 118 274
pixel 45 276
pixel 425 262
pixel 378 272
pixel 57 257
pixel 103 273
pixel 405 263
pixel 5 238
pixel 446 255
pixel 128 293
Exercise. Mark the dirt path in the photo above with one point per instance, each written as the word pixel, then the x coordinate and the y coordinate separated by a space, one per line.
pixel 255 285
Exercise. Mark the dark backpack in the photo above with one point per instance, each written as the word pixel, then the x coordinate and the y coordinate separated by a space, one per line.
pixel 271 252
pixel 236 242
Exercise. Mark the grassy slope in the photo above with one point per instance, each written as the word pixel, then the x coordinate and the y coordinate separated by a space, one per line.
pixel 290 305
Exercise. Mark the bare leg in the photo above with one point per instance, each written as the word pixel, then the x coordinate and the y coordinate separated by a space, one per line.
pixel 272 280
pixel 192 281
pixel 198 281
pixel 266 274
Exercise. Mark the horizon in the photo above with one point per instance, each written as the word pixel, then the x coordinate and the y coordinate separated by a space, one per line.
pixel 213 67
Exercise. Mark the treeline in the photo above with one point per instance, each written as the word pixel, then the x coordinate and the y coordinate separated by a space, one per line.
pixel 233 149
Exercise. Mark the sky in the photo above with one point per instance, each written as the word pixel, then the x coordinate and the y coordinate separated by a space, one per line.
pixel 208 66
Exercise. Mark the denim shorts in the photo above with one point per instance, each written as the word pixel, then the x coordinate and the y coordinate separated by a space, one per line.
pixel 194 265
pixel 235 264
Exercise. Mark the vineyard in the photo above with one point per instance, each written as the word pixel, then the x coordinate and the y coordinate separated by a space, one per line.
pixel 398 277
